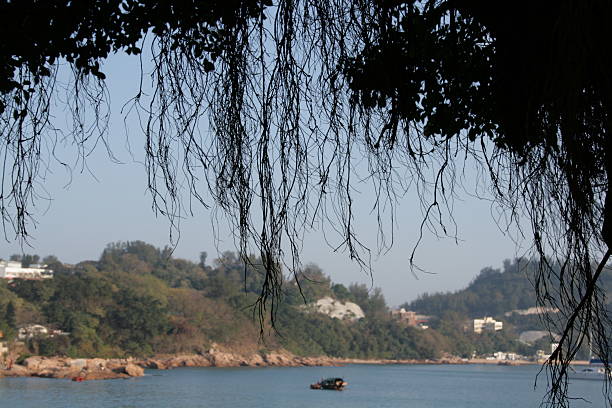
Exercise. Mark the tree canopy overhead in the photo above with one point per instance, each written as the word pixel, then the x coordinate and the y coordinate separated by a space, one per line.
pixel 296 92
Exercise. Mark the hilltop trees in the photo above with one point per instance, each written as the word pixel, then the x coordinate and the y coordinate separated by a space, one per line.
pixel 9 316
pixel 297 92
pixel 110 308
pixel 135 320
pixel 492 292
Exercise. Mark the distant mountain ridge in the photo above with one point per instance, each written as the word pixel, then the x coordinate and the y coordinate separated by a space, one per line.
pixel 494 292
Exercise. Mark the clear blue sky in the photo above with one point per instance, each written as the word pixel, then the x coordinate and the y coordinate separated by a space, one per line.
pixel 111 203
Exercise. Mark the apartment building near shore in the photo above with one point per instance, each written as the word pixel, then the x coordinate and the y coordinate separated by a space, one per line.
pixel 410 318
pixel 13 270
pixel 487 324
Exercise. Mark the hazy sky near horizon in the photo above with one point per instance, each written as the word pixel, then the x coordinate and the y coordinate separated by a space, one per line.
pixel 108 202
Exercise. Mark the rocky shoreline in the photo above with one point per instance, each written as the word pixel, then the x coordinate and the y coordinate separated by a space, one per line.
pixel 99 369
pixel 78 369
pixel 227 359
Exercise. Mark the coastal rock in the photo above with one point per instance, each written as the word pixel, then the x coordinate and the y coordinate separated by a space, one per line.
pixel 317 361
pixel 133 370
pixel 282 359
pixel 154 364
pixel 256 360
pixel 221 359
pixel 16 371
pixel 37 363
pixel 94 364
pixel 184 360
pixel 55 373
pixel 116 364
pixel 194 360
pixel 98 368
pixel 86 369
pixel 218 358
pixel 100 375
pixel 78 363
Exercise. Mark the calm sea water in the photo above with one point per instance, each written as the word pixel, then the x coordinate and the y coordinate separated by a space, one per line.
pixel 369 386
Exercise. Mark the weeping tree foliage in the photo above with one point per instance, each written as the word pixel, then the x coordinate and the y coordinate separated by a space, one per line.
pixel 267 111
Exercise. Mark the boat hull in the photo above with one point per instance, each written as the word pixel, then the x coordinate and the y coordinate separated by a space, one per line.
pixel 336 385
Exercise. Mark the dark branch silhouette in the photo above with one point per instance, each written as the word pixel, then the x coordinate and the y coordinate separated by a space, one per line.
pixel 298 95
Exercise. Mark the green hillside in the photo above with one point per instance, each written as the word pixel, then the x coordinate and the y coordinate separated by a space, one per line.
pixel 493 292
pixel 138 300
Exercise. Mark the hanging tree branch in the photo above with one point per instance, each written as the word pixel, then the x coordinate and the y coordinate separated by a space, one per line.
pixel 276 114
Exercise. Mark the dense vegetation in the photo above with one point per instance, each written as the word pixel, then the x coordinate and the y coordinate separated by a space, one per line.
pixel 139 300
pixel 492 293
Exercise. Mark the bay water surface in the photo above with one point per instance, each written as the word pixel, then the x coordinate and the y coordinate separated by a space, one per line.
pixel 414 386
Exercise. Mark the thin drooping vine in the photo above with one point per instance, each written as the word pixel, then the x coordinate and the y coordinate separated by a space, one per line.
pixel 276 114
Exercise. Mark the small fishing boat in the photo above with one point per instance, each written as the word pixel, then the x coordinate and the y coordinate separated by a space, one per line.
pixel 588 373
pixel 596 370
pixel 334 383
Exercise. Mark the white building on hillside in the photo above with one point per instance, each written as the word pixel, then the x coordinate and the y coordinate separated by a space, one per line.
pixel 14 270
pixel 410 318
pixel 487 324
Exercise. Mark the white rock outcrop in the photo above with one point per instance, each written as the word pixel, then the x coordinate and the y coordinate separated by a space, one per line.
pixel 336 309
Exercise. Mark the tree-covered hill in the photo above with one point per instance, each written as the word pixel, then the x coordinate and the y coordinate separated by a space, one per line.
pixel 492 293
pixel 138 300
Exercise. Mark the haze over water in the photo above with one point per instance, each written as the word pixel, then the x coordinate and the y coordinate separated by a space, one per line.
pixel 415 386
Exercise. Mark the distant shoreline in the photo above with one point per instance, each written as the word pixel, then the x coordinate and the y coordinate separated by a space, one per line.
pixel 448 361
pixel 98 368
